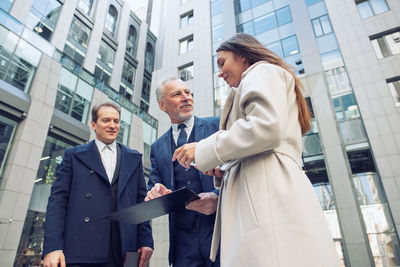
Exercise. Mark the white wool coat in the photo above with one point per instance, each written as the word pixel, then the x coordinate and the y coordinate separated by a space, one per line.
pixel 268 214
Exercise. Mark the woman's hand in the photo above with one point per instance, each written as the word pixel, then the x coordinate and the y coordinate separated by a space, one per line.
pixel 185 154
pixel 215 172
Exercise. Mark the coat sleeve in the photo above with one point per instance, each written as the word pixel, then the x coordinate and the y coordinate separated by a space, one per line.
pixel 263 120
pixel 144 233
pixel 57 206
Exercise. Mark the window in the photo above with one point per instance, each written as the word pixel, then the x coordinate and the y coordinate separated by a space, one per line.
pixel 18 60
pixel 6 4
pixel 131 41
pixel 106 56
pixel 146 87
pixel 7 130
pixel 242 6
pixel 128 74
pixel 276 48
pixel 186 44
pixel 283 15
pixel 77 41
pixel 255 3
pixel 186 73
pixel 338 81
pixel 321 26
pixel 386 44
pixel 42 17
pixel 73 96
pixel 124 126
pixel 311 2
pixel 369 8
pixel 111 20
pixel 85 6
pixel 216 8
pixel 394 87
pixel 265 23
pixel 187 19
pixel 290 46
pixel 218 33
pixel 31 243
pixel 345 107
pixel 145 98
pixel 148 58
pixel 246 28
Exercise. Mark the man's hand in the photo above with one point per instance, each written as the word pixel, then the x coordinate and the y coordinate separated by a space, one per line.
pixel 158 190
pixel 207 204
pixel 146 255
pixel 54 258
pixel 185 154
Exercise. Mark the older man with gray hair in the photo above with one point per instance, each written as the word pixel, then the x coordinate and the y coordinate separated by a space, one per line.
pixel 190 229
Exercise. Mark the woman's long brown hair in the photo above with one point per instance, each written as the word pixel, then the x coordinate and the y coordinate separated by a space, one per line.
pixel 253 51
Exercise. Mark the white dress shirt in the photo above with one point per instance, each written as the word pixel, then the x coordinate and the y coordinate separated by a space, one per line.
pixel 189 127
pixel 108 154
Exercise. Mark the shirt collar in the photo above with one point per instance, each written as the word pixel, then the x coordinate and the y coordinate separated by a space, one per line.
pixel 101 145
pixel 189 124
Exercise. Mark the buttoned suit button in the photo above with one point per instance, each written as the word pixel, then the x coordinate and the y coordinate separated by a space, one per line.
pixel 91 172
pixel 89 195
pixel 87 219
pixel 189 182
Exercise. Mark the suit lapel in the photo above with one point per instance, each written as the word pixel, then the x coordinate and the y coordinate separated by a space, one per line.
pixel 90 156
pixel 198 129
pixel 166 155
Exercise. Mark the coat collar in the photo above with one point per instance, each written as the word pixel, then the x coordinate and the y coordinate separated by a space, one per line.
pixel 89 155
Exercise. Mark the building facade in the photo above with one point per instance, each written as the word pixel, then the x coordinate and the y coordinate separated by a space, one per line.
pixel 347 55
pixel 58 58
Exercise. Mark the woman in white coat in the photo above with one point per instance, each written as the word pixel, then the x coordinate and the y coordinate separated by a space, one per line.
pixel 268 213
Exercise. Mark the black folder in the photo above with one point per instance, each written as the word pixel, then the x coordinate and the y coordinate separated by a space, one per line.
pixel 154 208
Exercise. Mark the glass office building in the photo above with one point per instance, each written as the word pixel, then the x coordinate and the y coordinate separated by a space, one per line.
pixel 58 59
pixel 346 53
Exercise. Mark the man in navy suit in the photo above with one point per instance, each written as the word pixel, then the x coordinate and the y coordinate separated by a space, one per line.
pixel 93 180
pixel 190 229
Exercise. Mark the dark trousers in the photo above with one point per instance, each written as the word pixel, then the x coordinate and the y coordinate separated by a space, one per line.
pixel 192 247
pixel 94 265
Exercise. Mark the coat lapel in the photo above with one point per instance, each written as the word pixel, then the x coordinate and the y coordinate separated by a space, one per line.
pixel 227 109
pixel 89 155
pixel 129 162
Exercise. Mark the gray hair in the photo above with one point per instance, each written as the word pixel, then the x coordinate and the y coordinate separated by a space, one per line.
pixel 161 86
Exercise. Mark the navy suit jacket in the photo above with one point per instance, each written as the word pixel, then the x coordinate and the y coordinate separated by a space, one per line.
pixel 80 198
pixel 161 170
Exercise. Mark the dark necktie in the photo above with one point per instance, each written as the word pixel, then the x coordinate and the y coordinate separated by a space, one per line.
pixel 182 138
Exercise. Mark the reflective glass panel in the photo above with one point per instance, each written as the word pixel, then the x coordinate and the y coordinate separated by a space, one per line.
pixel 395 91
pixel 265 23
pixel 290 46
pixel 283 15
pixel 85 6
pixel 7 130
pixel 365 10
pixel 31 243
pixel 131 41
pixel 111 19
pixel 379 6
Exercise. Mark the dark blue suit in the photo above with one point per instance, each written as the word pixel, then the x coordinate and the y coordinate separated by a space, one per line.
pixel 162 171
pixel 81 195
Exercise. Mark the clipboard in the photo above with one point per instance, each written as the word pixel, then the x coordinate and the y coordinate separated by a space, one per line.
pixel 145 211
